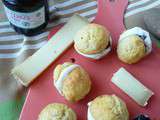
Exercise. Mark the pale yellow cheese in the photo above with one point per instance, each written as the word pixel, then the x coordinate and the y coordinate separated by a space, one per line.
pixel 132 87
pixel 40 60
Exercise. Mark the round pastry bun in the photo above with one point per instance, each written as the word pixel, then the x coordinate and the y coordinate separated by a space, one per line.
pixel 76 85
pixel 131 49
pixel 57 111
pixel 107 107
pixel 92 39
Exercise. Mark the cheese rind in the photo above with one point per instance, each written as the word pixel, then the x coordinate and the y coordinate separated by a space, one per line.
pixel 33 66
pixel 132 87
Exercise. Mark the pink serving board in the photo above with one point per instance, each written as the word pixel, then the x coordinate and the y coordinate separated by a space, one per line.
pixel 110 14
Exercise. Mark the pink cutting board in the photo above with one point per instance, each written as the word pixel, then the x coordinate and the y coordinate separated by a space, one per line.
pixel 110 14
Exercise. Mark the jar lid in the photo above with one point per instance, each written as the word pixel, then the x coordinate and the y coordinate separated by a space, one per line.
pixel 24 5
pixel 22 2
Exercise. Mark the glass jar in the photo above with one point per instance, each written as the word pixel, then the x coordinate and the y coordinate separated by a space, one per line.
pixel 28 17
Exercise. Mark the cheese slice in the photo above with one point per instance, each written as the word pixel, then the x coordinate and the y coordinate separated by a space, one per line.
pixel 32 67
pixel 132 87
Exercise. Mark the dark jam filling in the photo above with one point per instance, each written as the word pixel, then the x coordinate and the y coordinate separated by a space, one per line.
pixel 109 44
pixel 73 60
pixel 143 37
pixel 142 117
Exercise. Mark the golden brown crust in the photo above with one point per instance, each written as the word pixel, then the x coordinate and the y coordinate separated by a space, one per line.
pixel 108 107
pixel 131 49
pixel 57 111
pixel 77 85
pixel 59 68
pixel 92 39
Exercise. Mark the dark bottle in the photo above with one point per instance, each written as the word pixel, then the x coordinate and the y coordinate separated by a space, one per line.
pixel 28 17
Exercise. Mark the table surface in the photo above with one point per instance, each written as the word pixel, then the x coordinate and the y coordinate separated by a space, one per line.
pixel 42 91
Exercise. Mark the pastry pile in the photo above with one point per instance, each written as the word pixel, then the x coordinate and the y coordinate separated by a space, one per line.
pixel 73 82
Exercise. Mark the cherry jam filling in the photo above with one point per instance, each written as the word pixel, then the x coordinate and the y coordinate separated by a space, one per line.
pixel 142 117
pixel 109 44
pixel 143 37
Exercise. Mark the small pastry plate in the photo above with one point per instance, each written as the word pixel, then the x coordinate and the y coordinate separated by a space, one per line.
pixel 110 14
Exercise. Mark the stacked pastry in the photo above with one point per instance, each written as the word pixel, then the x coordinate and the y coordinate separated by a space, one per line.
pixel 107 107
pixel 133 45
pixel 93 41
pixel 72 81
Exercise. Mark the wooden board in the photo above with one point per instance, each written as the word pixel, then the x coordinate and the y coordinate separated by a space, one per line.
pixel 110 14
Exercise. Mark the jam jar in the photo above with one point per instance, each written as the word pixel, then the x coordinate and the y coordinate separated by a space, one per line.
pixel 28 17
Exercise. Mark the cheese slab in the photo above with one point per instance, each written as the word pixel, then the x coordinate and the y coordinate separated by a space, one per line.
pixel 32 67
pixel 132 87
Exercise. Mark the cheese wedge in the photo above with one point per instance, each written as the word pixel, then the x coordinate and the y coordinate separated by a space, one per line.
pixel 32 67
pixel 132 87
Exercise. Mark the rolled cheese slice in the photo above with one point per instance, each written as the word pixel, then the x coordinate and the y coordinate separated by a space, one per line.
pixel 59 83
pixel 132 87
